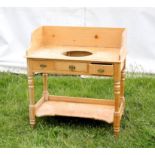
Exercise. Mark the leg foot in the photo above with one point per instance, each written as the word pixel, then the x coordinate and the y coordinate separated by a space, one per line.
pixel 32 116
pixel 116 134
pixel 32 125
pixel 117 120
pixel 31 98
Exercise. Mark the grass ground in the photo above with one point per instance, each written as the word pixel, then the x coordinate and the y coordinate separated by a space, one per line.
pixel 138 123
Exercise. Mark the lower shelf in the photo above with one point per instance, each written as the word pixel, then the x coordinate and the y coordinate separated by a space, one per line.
pixel 75 109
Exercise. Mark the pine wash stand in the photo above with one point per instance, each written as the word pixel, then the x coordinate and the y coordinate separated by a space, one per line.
pixel 77 51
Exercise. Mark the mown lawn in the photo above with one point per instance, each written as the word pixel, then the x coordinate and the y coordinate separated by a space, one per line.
pixel 138 123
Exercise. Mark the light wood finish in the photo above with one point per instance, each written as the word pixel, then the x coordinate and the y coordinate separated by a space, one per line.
pixel 82 100
pixel 123 83
pixel 31 97
pixel 71 66
pixel 121 109
pixel 45 87
pixel 40 102
pixel 99 54
pixel 117 78
pixel 79 36
pixel 62 108
pixel 100 69
pixel 78 51
pixel 41 65
pixel 105 44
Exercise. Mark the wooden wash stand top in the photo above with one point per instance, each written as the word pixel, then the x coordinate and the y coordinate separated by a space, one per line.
pixel 78 51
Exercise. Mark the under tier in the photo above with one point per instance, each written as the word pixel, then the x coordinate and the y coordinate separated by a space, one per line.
pixel 98 109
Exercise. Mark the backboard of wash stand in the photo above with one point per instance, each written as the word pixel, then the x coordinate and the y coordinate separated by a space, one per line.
pixel 77 51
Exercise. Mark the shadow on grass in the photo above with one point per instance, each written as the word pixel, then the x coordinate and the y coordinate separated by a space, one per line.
pixel 76 122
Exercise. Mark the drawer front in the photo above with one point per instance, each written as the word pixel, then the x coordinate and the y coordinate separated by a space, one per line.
pixel 42 65
pixel 99 69
pixel 71 67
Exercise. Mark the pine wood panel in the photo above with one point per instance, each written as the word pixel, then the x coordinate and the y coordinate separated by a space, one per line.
pixel 42 65
pixel 99 69
pixel 62 108
pixel 71 66
pixel 109 55
pixel 82 100
pixel 82 36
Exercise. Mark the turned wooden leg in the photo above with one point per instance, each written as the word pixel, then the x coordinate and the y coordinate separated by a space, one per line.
pixel 122 86
pixel 117 78
pixel 31 100
pixel 45 86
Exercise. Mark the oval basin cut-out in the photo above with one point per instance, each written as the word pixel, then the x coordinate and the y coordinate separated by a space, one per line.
pixel 77 53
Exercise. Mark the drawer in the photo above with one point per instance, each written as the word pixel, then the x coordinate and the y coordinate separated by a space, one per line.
pixel 41 65
pixel 101 69
pixel 71 66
